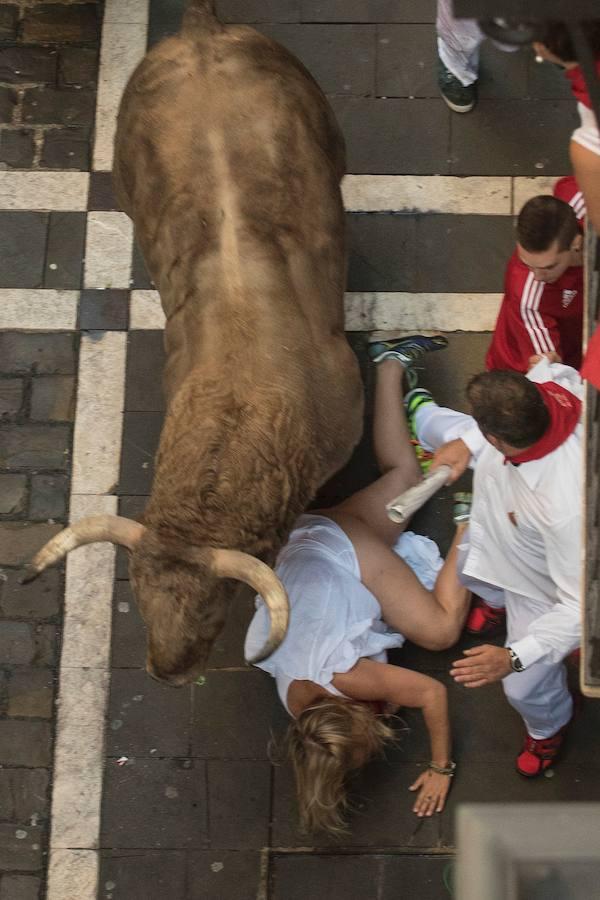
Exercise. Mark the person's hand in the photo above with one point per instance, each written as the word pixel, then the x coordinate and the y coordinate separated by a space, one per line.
pixel 483 665
pixel 455 454
pixel 552 356
pixel 542 51
pixel 433 789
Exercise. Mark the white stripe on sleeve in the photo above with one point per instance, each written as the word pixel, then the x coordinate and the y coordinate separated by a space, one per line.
pixel 526 314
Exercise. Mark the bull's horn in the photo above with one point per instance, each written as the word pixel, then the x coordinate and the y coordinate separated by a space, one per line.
pixel 115 529
pixel 243 567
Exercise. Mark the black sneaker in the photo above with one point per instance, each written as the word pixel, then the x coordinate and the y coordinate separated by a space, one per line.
pixel 459 98
pixel 408 349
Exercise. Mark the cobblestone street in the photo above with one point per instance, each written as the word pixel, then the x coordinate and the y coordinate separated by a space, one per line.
pixel 116 787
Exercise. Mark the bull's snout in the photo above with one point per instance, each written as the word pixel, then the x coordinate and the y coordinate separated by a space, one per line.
pixel 174 679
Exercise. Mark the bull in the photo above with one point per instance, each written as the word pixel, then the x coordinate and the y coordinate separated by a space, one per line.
pixel 228 159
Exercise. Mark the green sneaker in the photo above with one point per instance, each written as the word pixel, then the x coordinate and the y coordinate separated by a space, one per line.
pixel 459 98
pixel 413 401
pixel 407 350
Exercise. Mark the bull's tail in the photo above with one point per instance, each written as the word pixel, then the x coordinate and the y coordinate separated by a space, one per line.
pixel 200 14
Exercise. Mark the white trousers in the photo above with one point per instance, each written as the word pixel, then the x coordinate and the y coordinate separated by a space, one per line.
pixel 458 43
pixel 539 694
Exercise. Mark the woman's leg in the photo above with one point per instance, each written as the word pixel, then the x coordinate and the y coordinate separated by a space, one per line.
pixel 395 457
pixel 432 619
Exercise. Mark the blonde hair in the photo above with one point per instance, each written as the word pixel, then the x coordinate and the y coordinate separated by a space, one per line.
pixel 322 745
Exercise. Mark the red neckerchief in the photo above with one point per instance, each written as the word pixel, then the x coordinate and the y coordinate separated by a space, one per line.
pixel 591 364
pixel 578 85
pixel 564 409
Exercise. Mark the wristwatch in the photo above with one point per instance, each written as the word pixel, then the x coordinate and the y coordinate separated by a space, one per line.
pixel 515 662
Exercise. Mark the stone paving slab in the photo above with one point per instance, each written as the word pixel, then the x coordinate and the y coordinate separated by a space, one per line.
pixel 341 58
pixel 395 136
pixel 334 877
pixel 151 803
pixel 428 253
pixel 146 718
pixel 513 137
pixel 191 875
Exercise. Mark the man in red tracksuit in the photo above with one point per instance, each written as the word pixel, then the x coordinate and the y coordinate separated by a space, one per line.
pixel 542 309
pixel 541 312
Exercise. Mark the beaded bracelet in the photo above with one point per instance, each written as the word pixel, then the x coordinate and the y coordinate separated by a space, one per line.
pixel 443 770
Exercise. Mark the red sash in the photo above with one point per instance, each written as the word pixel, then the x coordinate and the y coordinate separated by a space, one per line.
pixel 591 364
pixel 578 85
pixel 565 410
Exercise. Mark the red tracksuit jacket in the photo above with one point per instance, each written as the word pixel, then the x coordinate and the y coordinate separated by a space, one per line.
pixel 535 317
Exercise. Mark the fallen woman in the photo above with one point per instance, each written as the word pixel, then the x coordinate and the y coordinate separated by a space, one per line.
pixel 352 597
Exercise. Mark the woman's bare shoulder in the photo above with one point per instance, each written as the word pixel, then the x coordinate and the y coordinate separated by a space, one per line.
pixel 301 694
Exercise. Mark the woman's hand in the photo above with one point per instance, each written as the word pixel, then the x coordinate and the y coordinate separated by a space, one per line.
pixel 433 789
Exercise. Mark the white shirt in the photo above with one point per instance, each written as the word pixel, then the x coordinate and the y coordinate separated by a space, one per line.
pixel 587 134
pixel 334 619
pixel 541 556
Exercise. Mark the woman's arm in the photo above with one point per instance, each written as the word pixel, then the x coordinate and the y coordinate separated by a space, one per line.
pixel 370 680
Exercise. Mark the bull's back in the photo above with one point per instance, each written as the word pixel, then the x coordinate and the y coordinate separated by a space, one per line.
pixel 228 159
pixel 227 127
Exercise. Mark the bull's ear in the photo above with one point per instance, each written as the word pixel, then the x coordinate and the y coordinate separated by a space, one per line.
pixel 243 567
pixel 115 529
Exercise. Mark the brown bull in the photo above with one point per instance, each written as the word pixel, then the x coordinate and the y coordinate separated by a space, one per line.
pixel 228 159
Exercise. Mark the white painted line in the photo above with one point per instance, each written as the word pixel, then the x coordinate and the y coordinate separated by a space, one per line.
pixel 108 250
pixel 127 12
pixel 84 681
pixel 526 188
pixel 417 312
pixel 44 191
pixel 88 591
pixel 99 413
pixel 362 193
pixel 38 310
pixel 145 311
pixel 433 194
pixel 376 311
pixel 78 758
pixel 72 875
pixel 85 659
pixel 123 45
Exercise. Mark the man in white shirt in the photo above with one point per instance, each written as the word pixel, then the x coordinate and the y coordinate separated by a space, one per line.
pixel 524 442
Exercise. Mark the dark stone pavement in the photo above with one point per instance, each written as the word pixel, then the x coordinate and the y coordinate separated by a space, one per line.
pixel 203 788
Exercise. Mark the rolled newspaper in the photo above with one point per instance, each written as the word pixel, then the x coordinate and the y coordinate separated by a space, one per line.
pixel 413 499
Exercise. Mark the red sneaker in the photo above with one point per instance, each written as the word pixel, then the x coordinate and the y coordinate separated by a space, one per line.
pixel 485 620
pixel 537 756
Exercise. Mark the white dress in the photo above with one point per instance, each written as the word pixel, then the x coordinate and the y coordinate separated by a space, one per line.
pixel 334 619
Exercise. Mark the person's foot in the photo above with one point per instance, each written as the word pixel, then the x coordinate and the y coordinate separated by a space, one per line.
pixel 461 507
pixel 459 98
pixel 485 620
pixel 406 350
pixel 538 755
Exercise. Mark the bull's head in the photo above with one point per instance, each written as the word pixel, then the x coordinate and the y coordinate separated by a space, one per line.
pixel 181 591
